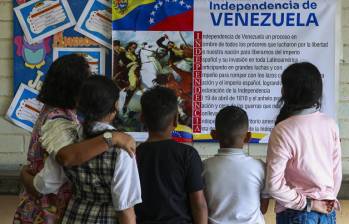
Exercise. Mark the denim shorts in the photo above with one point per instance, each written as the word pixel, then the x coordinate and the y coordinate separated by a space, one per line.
pixel 290 216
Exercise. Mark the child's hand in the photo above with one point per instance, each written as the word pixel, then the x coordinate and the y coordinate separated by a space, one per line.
pixel 125 141
pixel 324 207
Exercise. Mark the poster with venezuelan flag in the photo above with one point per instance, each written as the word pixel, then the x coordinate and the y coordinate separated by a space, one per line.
pixel 153 45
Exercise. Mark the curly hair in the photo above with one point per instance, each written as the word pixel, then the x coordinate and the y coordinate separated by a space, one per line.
pixel 63 81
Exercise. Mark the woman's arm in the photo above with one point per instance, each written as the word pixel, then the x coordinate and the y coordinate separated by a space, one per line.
pixel 79 153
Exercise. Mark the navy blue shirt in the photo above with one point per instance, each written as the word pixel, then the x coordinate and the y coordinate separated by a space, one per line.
pixel 168 172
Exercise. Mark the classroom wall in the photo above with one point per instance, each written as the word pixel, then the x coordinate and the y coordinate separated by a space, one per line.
pixel 14 141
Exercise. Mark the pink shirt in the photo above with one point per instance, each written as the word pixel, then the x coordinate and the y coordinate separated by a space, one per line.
pixel 304 160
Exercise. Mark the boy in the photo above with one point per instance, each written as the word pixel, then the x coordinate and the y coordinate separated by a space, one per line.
pixel 234 180
pixel 170 172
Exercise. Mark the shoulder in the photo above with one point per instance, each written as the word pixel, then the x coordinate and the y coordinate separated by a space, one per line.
pixel 55 113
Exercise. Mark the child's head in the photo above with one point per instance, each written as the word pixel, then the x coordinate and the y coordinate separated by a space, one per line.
pixel 301 89
pixel 63 81
pixel 98 100
pixel 159 109
pixel 231 127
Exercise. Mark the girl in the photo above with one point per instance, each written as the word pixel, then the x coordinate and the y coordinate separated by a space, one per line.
pixel 110 181
pixel 59 93
pixel 304 155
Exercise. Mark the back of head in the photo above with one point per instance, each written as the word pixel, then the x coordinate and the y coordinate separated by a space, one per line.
pixel 301 89
pixel 231 123
pixel 159 108
pixel 63 81
pixel 97 98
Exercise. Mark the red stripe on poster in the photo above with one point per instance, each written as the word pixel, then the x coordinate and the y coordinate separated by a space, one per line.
pixel 197 82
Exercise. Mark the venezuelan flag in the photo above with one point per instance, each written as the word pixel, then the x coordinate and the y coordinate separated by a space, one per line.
pixel 156 15
pixel 182 133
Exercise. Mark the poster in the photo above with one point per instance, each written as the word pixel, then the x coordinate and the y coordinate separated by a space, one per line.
pixel 153 45
pixel 31 61
pixel 25 108
pixel 95 22
pixel 94 56
pixel 40 19
pixel 241 49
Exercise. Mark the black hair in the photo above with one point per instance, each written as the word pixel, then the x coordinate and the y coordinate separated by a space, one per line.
pixel 301 89
pixel 130 44
pixel 231 121
pixel 63 81
pixel 116 43
pixel 97 98
pixel 159 108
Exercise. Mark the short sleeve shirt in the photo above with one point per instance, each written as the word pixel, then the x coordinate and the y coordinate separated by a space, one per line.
pixel 169 172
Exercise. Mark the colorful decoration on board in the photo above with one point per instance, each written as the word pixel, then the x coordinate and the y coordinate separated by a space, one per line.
pixel 255 138
pixel 156 15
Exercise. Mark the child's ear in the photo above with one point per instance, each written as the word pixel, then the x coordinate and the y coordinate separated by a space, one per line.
pixel 175 120
pixel 247 137
pixel 214 134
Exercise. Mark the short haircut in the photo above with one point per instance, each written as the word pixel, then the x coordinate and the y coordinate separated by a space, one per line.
pixel 231 121
pixel 116 43
pixel 63 81
pixel 159 107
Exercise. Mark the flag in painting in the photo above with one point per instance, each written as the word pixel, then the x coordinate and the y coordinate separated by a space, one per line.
pixel 156 15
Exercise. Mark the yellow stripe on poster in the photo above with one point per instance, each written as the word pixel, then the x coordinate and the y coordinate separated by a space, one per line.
pixel 183 128
pixel 205 137
pixel 198 137
pixel 123 7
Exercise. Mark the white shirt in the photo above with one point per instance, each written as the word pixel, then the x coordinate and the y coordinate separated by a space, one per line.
pixel 233 186
pixel 125 186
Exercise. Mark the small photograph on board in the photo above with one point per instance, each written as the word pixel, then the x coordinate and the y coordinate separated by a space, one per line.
pixel 25 108
pixel 155 15
pixel 95 22
pixel 43 18
pixel 94 56
pixel 143 59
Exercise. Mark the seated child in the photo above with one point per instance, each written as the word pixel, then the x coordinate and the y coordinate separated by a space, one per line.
pixel 170 172
pixel 105 188
pixel 233 180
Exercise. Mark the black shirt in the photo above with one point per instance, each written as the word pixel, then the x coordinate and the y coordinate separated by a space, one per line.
pixel 168 172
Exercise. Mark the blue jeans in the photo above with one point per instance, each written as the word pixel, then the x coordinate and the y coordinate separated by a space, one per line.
pixel 290 216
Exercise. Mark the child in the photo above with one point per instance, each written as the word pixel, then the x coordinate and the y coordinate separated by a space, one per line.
pixel 170 172
pixel 108 182
pixel 234 181
pixel 304 154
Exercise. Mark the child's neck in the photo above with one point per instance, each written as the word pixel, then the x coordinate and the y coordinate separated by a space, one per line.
pixel 159 136
pixel 235 146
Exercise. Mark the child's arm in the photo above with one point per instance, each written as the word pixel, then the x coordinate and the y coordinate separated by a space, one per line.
pixel 27 181
pixel 264 205
pixel 127 216
pixel 59 135
pixel 198 207
pixel 79 153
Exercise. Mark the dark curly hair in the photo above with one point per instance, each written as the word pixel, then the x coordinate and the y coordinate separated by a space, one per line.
pixel 63 81
pixel 97 98
pixel 159 107
pixel 301 89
